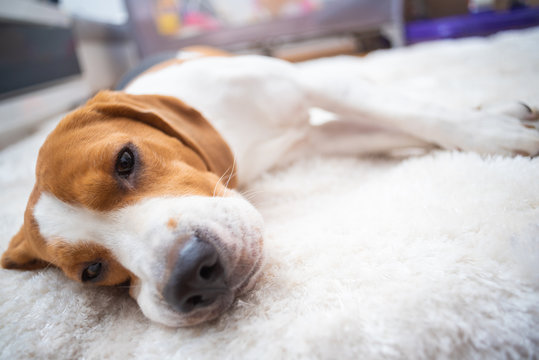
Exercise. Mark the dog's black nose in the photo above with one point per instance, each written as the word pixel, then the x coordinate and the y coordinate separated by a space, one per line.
pixel 197 278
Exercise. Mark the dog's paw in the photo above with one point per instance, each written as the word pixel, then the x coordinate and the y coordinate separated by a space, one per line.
pixel 489 133
pixel 517 109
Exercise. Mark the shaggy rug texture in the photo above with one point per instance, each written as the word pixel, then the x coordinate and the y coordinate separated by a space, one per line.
pixel 431 256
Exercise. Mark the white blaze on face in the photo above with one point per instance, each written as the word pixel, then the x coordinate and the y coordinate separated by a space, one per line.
pixel 140 237
pixel 72 224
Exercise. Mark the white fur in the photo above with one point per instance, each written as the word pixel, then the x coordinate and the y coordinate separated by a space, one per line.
pixel 59 221
pixel 432 257
pixel 140 239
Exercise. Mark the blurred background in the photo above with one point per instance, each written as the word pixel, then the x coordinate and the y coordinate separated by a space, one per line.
pixel 56 54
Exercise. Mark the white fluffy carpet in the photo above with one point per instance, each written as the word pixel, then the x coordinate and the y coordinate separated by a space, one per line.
pixel 367 258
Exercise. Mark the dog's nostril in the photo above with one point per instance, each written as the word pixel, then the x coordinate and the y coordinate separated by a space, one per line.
pixel 194 300
pixel 198 301
pixel 205 272
pixel 209 272
pixel 197 279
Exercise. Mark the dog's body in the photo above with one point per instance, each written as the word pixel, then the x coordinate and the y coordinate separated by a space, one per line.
pixel 137 185
pixel 262 106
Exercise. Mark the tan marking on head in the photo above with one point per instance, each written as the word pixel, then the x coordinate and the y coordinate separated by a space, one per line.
pixel 178 152
pixel 172 223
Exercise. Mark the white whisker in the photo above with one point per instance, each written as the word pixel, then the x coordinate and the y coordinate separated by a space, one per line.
pixel 231 172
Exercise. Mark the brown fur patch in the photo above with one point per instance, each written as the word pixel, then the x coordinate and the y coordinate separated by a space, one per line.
pixel 172 224
pixel 73 259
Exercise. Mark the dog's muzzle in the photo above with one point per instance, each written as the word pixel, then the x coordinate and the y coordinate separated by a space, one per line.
pixel 197 278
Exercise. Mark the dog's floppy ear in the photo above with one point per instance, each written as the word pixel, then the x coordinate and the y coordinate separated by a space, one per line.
pixel 20 254
pixel 176 119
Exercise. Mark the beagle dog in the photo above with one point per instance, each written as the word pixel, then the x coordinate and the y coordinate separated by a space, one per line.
pixel 137 186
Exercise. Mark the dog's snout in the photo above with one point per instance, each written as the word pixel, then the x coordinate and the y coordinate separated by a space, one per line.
pixel 197 278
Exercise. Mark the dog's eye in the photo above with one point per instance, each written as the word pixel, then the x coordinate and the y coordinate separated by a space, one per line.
pixel 91 272
pixel 125 163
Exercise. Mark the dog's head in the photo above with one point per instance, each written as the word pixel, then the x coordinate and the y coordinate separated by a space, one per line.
pixel 137 189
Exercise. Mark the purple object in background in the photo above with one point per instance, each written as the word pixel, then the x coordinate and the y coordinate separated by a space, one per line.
pixel 480 24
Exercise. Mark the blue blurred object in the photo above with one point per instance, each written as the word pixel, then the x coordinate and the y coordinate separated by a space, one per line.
pixel 478 24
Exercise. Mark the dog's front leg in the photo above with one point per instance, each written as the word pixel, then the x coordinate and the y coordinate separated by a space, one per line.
pixel 485 132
